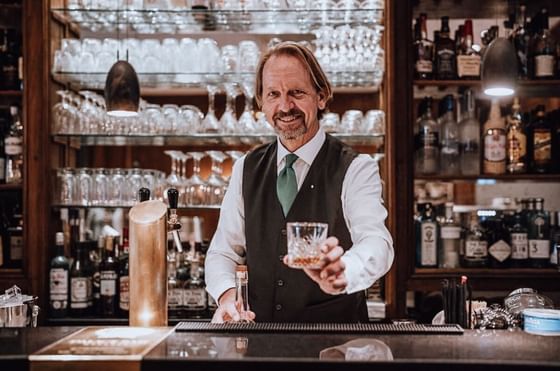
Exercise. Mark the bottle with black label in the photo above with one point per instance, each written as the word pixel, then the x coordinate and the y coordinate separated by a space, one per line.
pixel 445 53
pixel 540 142
pixel 423 50
pixel 519 243
pixel 554 237
pixel 59 275
pixel 124 287
pixel 539 236
pixel 108 270
pixel 427 235
pixel 476 246
pixel 499 249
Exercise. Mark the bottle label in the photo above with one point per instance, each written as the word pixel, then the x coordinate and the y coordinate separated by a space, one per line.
pixel 475 250
pixel 58 288
pixel 108 283
pixel 195 299
pixel 500 250
pixel 519 246
pixel 539 249
pixel 451 232
pixel 516 146
pixel 16 247
pixel 544 65
pixel 174 298
pixel 446 60
pixel 13 146
pixel 468 65
pixel 124 293
pixel 79 292
pixel 424 66
pixel 542 146
pixel 495 145
pixel 429 139
pixel 429 244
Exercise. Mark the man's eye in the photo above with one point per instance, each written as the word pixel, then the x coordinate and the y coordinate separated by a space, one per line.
pixel 298 93
pixel 272 94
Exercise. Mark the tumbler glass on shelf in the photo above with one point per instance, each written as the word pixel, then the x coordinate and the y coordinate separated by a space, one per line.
pixel 100 194
pixel 196 190
pixel 65 185
pixel 84 186
pixel 215 184
pixel 189 120
pixel 117 186
pixel 134 182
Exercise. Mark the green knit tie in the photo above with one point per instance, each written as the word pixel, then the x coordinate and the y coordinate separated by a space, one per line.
pixel 286 185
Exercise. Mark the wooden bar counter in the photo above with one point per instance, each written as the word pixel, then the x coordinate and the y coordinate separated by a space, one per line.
pixel 473 350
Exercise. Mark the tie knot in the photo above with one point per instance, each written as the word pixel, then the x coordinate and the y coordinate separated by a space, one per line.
pixel 290 159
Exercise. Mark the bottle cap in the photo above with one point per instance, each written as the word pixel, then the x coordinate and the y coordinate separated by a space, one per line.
pixel 59 238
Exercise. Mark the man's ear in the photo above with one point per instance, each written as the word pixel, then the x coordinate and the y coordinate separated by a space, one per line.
pixel 322 100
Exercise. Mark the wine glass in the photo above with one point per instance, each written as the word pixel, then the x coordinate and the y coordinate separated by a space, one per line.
pixel 216 184
pixel 228 121
pixel 210 123
pixel 196 188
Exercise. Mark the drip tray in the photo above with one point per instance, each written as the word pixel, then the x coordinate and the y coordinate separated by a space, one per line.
pixel 374 328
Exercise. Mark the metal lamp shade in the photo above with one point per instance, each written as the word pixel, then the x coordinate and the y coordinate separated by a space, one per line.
pixel 122 90
pixel 499 68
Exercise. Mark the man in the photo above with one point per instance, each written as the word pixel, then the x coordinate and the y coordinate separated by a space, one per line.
pixel 335 185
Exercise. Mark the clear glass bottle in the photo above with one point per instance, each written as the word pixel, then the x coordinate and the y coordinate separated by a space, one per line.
pixel 516 144
pixel 494 142
pixel 539 236
pixel 13 146
pixel 469 136
pixel 450 240
pixel 424 51
pixel 242 292
pixel 59 275
pixel 427 155
pixel 427 235
pixel 476 246
pixel 450 145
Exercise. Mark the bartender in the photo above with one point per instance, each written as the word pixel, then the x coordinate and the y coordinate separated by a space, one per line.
pixel 305 175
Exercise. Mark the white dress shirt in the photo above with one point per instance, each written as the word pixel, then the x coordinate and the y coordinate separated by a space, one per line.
pixel 371 254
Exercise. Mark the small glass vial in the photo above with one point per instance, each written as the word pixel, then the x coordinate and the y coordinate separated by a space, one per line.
pixel 242 292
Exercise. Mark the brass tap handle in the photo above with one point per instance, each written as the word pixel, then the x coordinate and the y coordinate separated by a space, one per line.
pixel 173 197
pixel 143 194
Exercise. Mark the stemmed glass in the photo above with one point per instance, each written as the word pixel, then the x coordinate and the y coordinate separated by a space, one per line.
pixel 196 188
pixel 185 181
pixel 173 179
pixel 210 123
pixel 247 123
pixel 216 184
pixel 63 114
pixel 228 121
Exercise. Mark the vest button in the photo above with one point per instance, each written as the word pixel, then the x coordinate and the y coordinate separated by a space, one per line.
pixel 280 283
pixel 283 231
pixel 278 307
pixel 281 258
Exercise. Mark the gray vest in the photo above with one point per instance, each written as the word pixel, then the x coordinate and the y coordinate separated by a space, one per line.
pixel 278 293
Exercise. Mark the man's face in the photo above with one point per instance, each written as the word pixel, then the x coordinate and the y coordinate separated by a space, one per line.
pixel 290 101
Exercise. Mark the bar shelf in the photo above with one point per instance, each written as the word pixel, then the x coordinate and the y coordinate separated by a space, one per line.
pixel 183 207
pixel 502 177
pixel 199 139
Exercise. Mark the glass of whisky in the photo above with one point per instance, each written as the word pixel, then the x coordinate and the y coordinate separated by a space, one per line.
pixel 304 244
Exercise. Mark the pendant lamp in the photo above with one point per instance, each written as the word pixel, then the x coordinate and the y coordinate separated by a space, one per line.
pixel 122 90
pixel 499 68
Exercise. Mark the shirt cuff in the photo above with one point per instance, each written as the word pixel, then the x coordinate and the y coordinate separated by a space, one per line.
pixel 361 274
pixel 223 284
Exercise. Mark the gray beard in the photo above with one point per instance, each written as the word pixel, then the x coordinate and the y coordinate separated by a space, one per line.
pixel 291 134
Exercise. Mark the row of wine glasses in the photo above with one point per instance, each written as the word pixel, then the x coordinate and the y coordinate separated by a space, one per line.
pixel 85 113
pixel 170 16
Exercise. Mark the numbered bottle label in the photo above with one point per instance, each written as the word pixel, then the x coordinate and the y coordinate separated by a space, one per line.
pixel 539 249
pixel 519 246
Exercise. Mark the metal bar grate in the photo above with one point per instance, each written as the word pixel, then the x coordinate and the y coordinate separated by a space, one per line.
pixel 377 328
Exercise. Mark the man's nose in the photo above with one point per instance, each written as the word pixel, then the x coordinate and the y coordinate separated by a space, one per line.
pixel 286 103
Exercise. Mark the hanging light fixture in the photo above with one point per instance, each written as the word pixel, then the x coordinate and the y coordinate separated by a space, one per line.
pixel 122 90
pixel 499 68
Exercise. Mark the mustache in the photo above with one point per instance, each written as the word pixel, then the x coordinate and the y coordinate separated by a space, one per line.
pixel 292 112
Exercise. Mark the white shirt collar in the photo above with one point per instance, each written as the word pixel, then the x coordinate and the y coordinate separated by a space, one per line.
pixel 307 152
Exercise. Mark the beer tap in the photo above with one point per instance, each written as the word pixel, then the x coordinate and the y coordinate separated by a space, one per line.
pixel 173 224
pixel 143 194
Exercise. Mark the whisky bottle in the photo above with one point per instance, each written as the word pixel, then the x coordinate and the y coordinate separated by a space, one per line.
pixel 468 60
pixel 424 51
pixel 494 142
pixel 80 274
pixel 476 246
pixel 516 144
pixel 59 280
pixel 540 142
pixel 539 236
pixel 544 50
pixel 427 234
pixel 13 146
pixel 519 243
pixel 445 53
pixel 499 249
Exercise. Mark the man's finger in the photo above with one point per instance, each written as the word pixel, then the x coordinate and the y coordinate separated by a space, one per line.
pixel 329 244
pixel 332 270
pixel 334 254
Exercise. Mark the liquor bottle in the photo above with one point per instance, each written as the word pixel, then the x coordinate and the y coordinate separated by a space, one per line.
pixel 468 60
pixel 183 273
pixel 195 300
pixel 4 120
pixel 522 41
pixel 539 139
pixel 242 292
pixel 13 147
pixel 424 51
pixel 427 234
pixel 516 144
pixel 519 243
pixel 499 249
pixel 96 258
pixel 450 240
pixel 539 236
pixel 59 280
pixel 554 117
pixel 494 142
pixel 445 53
pixel 476 246
pixel 15 238
pixel 80 272
pixel 124 287
pixel 10 60
pixel 450 145
pixel 108 269
pixel 544 50
pixel 427 156
pixel 554 237
pixel 174 291
pixel 469 136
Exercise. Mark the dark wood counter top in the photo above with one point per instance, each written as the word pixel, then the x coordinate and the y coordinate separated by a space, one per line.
pixel 474 350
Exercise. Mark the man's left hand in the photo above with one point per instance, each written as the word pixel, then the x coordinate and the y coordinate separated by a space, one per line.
pixel 330 277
